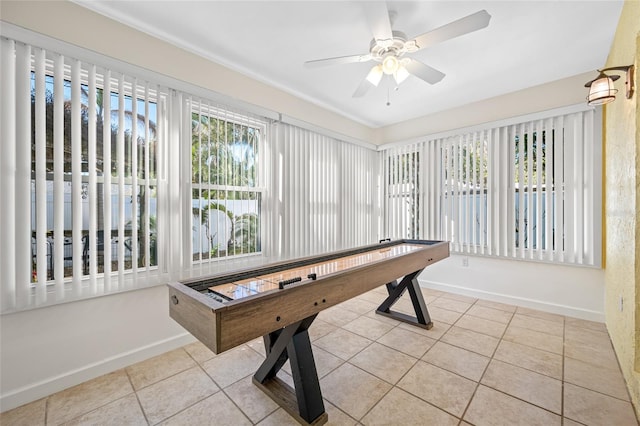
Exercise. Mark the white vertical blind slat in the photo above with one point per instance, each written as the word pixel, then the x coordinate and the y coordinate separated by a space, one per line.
pixel 42 248
pixel 106 171
pixel 23 173
pixel 121 161
pixel 7 176
pixel 76 174
pixel 92 189
pixel 58 175
pixel 134 180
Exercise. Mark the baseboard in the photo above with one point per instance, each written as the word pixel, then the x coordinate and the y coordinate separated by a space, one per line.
pixel 570 311
pixel 55 384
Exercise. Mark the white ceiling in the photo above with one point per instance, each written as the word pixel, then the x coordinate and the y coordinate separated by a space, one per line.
pixel 527 43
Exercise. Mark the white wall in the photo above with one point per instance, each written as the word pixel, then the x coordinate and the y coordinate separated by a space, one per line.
pixel 566 290
pixel 49 349
pixel 46 350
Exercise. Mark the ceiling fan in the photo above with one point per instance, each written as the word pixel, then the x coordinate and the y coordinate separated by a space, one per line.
pixel 388 47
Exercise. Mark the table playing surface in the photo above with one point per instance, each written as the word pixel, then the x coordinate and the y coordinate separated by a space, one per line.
pixel 260 284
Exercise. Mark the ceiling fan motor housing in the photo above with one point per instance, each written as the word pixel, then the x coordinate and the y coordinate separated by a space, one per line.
pixel 397 46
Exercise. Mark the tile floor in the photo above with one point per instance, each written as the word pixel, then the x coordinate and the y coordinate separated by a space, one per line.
pixel 483 363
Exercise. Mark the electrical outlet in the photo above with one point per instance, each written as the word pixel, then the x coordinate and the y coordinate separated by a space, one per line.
pixel 620 303
pixel 465 262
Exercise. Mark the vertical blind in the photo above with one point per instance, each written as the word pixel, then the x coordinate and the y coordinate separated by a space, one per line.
pixel 529 190
pixel 79 160
pixel 322 193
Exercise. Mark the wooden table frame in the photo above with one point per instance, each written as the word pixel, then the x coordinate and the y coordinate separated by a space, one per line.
pixel 283 316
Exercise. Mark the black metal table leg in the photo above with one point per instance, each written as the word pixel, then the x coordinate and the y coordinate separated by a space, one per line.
pixel 396 290
pixel 293 343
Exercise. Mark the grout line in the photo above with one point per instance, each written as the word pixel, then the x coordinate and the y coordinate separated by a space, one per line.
pixel 486 367
pixel 135 392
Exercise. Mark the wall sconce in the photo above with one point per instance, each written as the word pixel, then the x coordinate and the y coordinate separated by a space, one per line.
pixel 601 90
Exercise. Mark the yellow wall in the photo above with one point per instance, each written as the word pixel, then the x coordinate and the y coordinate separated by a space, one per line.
pixel 622 186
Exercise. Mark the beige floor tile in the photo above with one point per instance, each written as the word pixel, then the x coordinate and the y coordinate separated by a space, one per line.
pixel 601 356
pixel 387 320
pixel 258 346
pixel 460 297
pixel 470 340
pixel 540 314
pixel 490 407
pixel 279 418
pixel 199 352
pixel 214 410
pixel 451 304
pixel 460 361
pixel 542 362
pixel 401 408
pixel 537 324
pixel 337 316
pixel 589 376
pixel 325 362
pixel 407 341
pixel 233 365
pixel 532 387
pixel 124 411
pixel 490 313
pixel 443 315
pixel 319 329
pixel 535 339
pixel 255 404
pixel 358 306
pixel 368 327
pixel 496 305
pixel 481 325
pixel 372 296
pixel 337 417
pixel 31 414
pixel 386 363
pixel 436 332
pixel 342 343
pixel 569 422
pixel 442 388
pixel 344 387
pixel 170 396
pixel 592 408
pixel 405 306
pixel 587 337
pixel 78 400
pixel 591 325
pixel 160 367
pixel 433 292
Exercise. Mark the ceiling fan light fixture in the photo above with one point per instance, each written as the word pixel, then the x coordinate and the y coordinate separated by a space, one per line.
pixel 375 75
pixel 401 74
pixel 390 64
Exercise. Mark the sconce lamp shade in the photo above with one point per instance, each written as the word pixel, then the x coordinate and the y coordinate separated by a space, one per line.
pixel 601 90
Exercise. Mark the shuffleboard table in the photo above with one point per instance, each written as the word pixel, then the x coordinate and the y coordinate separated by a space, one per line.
pixel 280 301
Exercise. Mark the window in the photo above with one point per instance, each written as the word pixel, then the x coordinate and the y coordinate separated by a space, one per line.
pixel 133 158
pixel 80 146
pixel 226 192
pixel 525 190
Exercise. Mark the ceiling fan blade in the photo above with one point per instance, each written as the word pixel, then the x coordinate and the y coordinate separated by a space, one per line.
pixel 377 16
pixel 338 60
pixel 424 72
pixel 468 24
pixel 362 89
